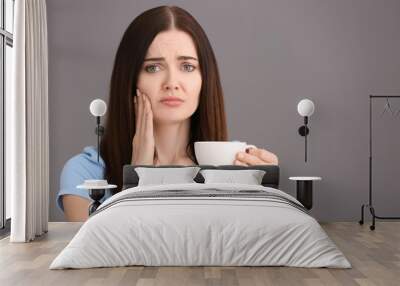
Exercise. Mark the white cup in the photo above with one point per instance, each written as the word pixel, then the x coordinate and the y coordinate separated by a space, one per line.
pixel 218 152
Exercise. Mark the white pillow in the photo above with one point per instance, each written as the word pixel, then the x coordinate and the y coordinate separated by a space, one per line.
pixel 250 177
pixel 161 176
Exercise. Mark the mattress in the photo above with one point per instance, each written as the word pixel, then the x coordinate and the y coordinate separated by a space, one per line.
pixel 197 224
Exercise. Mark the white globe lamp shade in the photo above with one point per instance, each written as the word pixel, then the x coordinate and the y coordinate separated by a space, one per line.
pixel 305 107
pixel 98 107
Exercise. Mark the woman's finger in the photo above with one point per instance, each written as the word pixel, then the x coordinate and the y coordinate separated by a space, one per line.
pixel 139 111
pixel 264 155
pixel 249 159
pixel 149 120
pixel 135 106
pixel 240 163
pixel 143 115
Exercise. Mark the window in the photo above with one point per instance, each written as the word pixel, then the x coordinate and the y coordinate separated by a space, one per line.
pixel 6 61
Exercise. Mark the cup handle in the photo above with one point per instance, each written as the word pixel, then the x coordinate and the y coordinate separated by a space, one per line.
pixel 249 146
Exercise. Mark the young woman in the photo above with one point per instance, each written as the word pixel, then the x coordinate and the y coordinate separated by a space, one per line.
pixel 165 94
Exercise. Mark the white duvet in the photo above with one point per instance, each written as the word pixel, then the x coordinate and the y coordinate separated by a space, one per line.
pixel 206 230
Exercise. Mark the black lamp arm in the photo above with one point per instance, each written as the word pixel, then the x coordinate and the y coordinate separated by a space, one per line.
pixel 304 131
pixel 99 132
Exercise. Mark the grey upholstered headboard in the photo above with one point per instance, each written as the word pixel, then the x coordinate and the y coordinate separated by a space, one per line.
pixel 270 179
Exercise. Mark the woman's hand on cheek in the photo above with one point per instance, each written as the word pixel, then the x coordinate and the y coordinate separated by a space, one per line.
pixel 143 145
pixel 255 156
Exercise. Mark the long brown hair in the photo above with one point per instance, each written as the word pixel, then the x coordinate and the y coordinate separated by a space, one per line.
pixel 208 123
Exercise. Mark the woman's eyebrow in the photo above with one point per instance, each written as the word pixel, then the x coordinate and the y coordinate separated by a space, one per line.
pixel 163 59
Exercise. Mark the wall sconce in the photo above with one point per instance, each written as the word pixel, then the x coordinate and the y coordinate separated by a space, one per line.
pixel 97 188
pixel 305 108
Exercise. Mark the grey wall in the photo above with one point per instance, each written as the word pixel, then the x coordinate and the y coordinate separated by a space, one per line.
pixel 271 54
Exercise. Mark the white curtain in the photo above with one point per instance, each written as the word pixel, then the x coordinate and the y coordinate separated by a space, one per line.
pixel 27 143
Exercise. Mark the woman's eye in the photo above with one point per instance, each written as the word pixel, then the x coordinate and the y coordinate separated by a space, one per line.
pixel 152 68
pixel 189 67
pixel 155 68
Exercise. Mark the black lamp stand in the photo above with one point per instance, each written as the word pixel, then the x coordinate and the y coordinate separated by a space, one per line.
pixel 99 132
pixel 304 131
pixel 96 195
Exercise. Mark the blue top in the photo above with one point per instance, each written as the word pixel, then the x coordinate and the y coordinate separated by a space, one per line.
pixel 77 169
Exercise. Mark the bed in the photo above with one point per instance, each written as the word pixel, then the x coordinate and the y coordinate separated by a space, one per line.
pixel 201 224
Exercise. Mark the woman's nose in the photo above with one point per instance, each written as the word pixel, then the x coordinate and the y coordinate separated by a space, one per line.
pixel 171 81
pixel 171 87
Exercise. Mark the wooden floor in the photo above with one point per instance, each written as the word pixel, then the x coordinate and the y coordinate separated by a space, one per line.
pixel 374 255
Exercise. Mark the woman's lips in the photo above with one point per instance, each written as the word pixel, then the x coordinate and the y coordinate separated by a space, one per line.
pixel 172 102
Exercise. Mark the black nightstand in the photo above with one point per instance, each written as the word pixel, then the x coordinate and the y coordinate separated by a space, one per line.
pixel 304 190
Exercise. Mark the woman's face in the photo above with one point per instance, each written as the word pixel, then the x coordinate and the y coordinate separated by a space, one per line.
pixel 171 69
